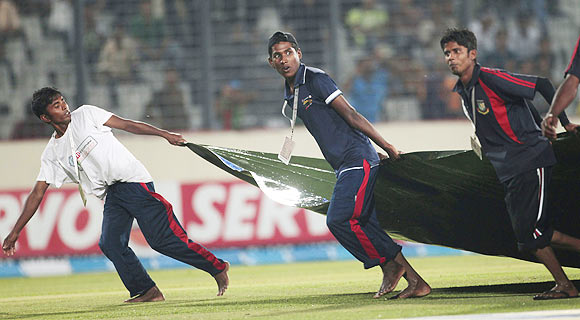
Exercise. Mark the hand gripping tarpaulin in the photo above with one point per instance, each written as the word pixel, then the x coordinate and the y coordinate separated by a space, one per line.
pixel 446 198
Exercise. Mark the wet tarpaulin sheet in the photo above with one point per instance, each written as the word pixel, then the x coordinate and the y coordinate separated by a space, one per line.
pixel 447 198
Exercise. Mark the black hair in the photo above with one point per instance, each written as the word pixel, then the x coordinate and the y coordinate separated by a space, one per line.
pixel 463 37
pixel 280 36
pixel 42 98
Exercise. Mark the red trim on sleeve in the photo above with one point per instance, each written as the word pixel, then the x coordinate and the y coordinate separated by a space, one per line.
pixel 500 112
pixel 509 77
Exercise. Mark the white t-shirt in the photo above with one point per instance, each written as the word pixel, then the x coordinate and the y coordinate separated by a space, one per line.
pixel 103 159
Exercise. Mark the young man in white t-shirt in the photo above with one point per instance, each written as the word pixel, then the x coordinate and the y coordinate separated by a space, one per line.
pixel 105 168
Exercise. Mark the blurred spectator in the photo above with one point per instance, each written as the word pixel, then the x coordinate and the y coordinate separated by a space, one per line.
pixel 29 127
pixel 428 26
pixel 177 15
pixel 308 21
pixel 7 64
pixel 403 24
pixel 36 8
pixel 235 36
pixel 426 29
pixel 501 58
pixel 367 88
pixel 443 13
pixel 4 110
pixel 33 7
pixel 408 74
pixel 60 22
pixel 526 67
pixel 406 90
pixel 545 59
pixel 538 10
pixel 367 24
pixel 485 29
pixel 268 20
pixel 93 36
pixel 440 102
pixel 118 61
pixel 11 26
pixel 149 31
pixel 523 36
pixel 119 9
pixel 231 105
pixel 167 107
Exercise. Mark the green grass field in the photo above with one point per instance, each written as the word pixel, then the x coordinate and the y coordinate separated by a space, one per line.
pixel 318 290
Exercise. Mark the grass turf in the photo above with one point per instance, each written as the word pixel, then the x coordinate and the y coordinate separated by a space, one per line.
pixel 318 290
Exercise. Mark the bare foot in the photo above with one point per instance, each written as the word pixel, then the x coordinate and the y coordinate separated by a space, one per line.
pixel 558 292
pixel 151 295
pixel 223 280
pixel 392 273
pixel 417 288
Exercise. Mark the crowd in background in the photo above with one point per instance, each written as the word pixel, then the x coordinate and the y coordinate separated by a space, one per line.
pixel 143 57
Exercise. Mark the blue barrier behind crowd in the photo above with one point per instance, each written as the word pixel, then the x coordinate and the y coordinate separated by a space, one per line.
pixel 236 256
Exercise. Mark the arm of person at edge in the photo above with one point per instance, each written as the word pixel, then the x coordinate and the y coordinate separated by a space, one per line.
pixel 30 206
pixel 138 127
pixel 359 122
pixel 564 96
pixel 546 89
pixel 569 126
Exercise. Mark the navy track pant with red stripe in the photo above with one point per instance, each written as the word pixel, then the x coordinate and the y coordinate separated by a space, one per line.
pixel 128 201
pixel 352 219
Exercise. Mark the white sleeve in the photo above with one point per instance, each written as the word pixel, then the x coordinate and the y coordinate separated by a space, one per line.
pixel 46 173
pixel 97 115
pixel 52 173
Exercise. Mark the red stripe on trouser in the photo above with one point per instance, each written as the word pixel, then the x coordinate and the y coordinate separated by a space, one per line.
pixel 354 222
pixel 180 233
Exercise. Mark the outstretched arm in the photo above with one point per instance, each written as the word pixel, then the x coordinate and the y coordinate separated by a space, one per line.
pixel 564 96
pixel 546 89
pixel 138 127
pixel 30 206
pixel 359 122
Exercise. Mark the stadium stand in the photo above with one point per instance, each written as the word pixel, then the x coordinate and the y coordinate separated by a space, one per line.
pixel 212 43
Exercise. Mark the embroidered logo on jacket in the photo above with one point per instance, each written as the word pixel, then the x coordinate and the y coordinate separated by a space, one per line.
pixel 482 108
pixel 307 102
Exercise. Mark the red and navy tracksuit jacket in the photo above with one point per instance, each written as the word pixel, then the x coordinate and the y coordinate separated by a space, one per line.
pixel 509 136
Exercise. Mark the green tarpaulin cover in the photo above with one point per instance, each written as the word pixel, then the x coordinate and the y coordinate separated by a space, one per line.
pixel 447 198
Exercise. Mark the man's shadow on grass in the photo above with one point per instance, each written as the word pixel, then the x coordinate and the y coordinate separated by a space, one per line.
pixel 509 288
pixel 347 301
pixel 326 301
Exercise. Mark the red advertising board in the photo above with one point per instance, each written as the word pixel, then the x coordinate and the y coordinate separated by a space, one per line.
pixel 218 214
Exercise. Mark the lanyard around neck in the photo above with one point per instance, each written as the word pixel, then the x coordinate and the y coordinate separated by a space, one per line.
pixel 74 156
pixel 473 119
pixel 76 166
pixel 294 110
pixel 473 105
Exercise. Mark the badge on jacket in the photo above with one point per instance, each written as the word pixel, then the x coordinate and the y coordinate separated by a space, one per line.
pixel 481 107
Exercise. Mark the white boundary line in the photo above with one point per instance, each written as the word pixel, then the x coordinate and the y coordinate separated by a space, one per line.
pixel 573 314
